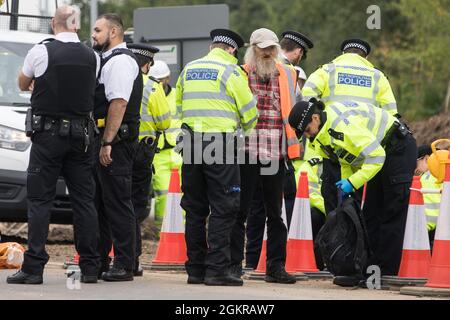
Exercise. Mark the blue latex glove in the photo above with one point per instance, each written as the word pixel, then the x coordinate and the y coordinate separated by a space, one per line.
pixel 345 186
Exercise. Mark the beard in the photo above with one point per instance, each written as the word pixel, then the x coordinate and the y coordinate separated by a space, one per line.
pixel 264 65
pixel 100 47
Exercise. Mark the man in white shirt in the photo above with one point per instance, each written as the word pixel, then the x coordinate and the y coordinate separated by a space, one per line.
pixel 62 72
pixel 117 111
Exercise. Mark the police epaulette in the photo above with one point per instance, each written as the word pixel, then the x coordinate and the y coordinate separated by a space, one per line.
pixel 314 161
pixel 154 79
pixel 46 40
pixel 336 134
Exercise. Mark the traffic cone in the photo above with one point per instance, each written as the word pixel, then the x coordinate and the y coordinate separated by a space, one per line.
pixel 172 246
pixel 416 245
pixel 439 273
pixel 300 249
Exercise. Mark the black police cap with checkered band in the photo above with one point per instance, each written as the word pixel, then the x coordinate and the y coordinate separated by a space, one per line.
pixel 143 50
pixel 302 40
pixel 228 37
pixel 356 43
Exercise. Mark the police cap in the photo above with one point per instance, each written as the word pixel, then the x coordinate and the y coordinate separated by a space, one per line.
pixel 228 37
pixel 300 116
pixel 300 39
pixel 143 50
pixel 356 43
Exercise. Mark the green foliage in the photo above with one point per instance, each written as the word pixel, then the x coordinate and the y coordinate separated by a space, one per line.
pixel 411 48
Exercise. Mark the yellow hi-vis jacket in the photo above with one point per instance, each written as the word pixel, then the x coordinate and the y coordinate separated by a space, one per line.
pixel 353 132
pixel 313 167
pixel 169 137
pixel 213 95
pixel 350 77
pixel 432 201
pixel 155 112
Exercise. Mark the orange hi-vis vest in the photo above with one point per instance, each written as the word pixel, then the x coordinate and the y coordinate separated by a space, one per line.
pixel 288 83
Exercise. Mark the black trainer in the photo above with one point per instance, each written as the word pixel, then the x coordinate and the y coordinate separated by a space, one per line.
pixel 195 280
pixel 280 276
pixel 117 274
pixel 227 280
pixel 21 277
pixel 88 279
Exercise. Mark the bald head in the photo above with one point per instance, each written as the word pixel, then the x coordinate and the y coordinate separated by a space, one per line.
pixel 67 19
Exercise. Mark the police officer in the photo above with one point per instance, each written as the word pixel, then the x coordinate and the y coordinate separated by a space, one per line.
pixel 62 135
pixel 117 106
pixel 348 77
pixel 382 154
pixel 214 98
pixel 166 159
pixel 431 201
pixel 155 117
pixel 294 48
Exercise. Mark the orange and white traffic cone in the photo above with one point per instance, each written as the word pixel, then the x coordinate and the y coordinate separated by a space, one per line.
pixel 439 273
pixel 300 249
pixel 172 246
pixel 416 254
pixel 416 245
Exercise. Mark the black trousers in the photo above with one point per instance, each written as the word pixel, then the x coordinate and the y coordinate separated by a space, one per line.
pixel 256 221
pixel 50 157
pixel 330 175
pixel 140 190
pixel 317 221
pixel 290 190
pixel 210 192
pixel 272 192
pixel 386 205
pixel 117 221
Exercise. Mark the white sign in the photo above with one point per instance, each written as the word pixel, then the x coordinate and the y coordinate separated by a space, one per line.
pixel 168 53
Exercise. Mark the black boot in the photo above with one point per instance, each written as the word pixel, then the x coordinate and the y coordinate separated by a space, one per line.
pixel 117 274
pixel 21 277
pixel 280 276
pixel 227 280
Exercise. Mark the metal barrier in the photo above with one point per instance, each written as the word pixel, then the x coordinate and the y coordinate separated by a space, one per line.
pixel 24 22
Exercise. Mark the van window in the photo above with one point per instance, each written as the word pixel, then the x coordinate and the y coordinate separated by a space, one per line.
pixel 11 61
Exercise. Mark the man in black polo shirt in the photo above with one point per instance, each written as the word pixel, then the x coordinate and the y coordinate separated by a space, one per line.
pixel 64 73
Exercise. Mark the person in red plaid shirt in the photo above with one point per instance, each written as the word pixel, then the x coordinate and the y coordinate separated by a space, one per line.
pixel 267 146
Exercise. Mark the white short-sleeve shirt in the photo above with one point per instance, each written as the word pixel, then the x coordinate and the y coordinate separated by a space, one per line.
pixel 118 75
pixel 36 61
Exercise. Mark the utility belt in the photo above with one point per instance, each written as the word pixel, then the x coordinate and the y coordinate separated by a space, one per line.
pixel 148 147
pixel 76 128
pixel 188 137
pixel 397 132
pixel 126 132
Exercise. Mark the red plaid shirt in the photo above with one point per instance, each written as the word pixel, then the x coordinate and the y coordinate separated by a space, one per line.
pixel 265 141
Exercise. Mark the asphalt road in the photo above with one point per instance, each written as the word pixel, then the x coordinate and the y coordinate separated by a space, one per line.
pixel 172 286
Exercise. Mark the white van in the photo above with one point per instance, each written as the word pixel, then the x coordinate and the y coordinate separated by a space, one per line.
pixel 14 144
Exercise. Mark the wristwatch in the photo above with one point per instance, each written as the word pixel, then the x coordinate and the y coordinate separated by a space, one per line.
pixel 105 143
